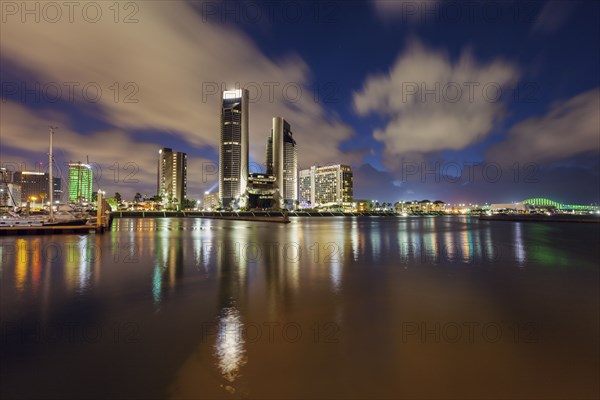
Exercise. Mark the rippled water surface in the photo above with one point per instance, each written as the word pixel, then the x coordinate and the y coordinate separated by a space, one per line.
pixel 413 307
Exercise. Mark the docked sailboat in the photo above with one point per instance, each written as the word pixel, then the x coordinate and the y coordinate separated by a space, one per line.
pixel 65 214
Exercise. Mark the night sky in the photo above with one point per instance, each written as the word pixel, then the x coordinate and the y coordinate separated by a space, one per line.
pixel 457 101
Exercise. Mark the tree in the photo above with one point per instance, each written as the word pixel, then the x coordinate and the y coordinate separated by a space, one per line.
pixel 188 204
pixel 297 202
pixel 118 198
pixel 137 198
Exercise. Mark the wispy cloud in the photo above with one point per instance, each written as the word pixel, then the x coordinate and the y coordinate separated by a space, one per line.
pixel 552 16
pixel 433 103
pixel 175 59
pixel 409 11
pixel 121 163
pixel 568 129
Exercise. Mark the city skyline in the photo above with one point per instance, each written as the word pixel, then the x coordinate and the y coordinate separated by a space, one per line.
pixel 288 199
pixel 402 118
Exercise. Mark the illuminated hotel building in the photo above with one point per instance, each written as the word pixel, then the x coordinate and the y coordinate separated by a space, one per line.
pixel 34 184
pixel 261 190
pixel 282 160
pixel 326 185
pixel 210 201
pixel 172 175
pixel 233 146
pixel 81 179
pixel 306 184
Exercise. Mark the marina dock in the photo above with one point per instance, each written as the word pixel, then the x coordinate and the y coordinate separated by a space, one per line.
pixel 44 230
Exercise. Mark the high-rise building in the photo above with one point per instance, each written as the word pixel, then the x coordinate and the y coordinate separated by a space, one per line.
pixel 34 184
pixel 233 148
pixel 282 160
pixel 331 184
pixel 306 185
pixel 172 175
pixel 81 179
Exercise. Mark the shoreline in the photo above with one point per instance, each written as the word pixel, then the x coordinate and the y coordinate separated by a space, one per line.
pixel 278 217
pixel 542 218
pixel 248 215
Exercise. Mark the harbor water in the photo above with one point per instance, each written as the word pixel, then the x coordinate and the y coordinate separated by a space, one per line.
pixel 362 307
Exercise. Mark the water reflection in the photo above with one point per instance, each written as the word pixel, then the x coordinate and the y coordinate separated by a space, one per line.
pixel 520 255
pixel 335 250
pixel 169 260
pixel 467 246
pixel 375 239
pixel 22 263
pixel 368 277
pixel 451 247
pixel 543 250
pixel 233 276
pixel 354 239
pixel 86 257
pixel 229 345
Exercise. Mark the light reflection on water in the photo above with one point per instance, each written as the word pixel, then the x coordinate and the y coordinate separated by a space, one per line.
pixel 229 345
pixel 520 255
pixel 367 276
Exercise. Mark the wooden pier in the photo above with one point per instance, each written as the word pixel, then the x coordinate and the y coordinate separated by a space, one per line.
pixel 50 229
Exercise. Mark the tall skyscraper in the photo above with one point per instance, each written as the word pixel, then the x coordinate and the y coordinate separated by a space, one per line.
pixel 35 184
pixel 172 175
pixel 81 179
pixel 233 149
pixel 326 185
pixel 282 160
